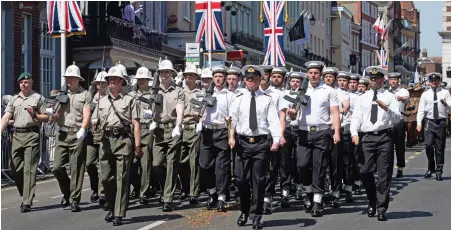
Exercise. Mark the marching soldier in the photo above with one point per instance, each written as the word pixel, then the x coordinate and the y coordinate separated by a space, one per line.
pixel 313 145
pixel 254 125
pixel 269 85
pixel 434 105
pixel 420 135
pixel 362 87
pixel 214 156
pixel 144 164
pixel 399 138
pixel 376 120
pixel 206 78
pixel 189 164
pixel 233 77
pixel 410 117
pixel 93 140
pixel 353 82
pixel 115 113
pixel 73 119
pixel 168 121
pixel 27 110
pixel 329 76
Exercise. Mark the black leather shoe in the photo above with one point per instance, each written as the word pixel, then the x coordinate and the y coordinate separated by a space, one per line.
pixel 308 205
pixel 371 210
pixel 94 197
pixel 221 206
pixel 285 203
pixel 102 203
pixel 298 194
pixel 143 200
pixel 242 219
pixel 428 174
pixel 117 221
pixel 317 210
pixel 109 217
pixel 335 202
pixel 212 202
pixel 267 208
pixel 257 224
pixel 65 202
pixel 167 207
pixel 161 199
pixel 193 200
pixel 25 208
pixel 75 207
pixel 399 174
pixel 183 197
pixel 381 216
pixel 349 198
pixel 438 177
pixel 134 194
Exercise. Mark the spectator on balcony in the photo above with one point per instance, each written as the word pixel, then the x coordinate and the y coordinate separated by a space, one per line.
pixel 130 12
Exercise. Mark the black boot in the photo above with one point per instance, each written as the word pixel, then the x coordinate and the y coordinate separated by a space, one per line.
pixel 109 216
pixel 399 174
pixel 65 202
pixel 221 206
pixel 75 207
pixel 25 208
pixel 428 174
pixel 212 201
pixel 242 219
pixel 308 204
pixel 94 197
pixel 438 176
pixel 167 207
pixel 317 210
pixel 285 203
pixel 298 194
pixel 267 208
pixel 117 221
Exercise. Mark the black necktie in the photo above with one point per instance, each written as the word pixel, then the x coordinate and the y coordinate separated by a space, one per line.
pixel 435 114
pixel 374 105
pixel 253 114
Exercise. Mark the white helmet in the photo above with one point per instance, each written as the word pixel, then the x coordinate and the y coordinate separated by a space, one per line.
pixel 124 71
pixel 73 71
pixel 142 73
pixel 116 72
pixel 101 77
pixel 190 68
pixel 167 65
pixel 206 73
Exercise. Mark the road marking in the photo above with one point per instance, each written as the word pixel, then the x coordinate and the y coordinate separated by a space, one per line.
pixel 411 157
pixel 53 197
pixel 417 153
pixel 40 182
pixel 152 225
pixel 3 209
pixel 407 161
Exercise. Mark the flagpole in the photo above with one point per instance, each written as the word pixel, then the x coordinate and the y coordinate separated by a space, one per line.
pixel 210 28
pixel 63 41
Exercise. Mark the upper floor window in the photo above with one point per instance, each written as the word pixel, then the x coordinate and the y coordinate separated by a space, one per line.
pixel 187 10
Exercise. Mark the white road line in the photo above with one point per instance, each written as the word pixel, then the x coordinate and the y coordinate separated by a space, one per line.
pixel 152 225
pixel 411 157
pixel 417 153
pixel 3 209
pixel 53 197
pixel 40 182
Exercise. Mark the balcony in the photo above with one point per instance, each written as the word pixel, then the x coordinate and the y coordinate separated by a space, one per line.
pixel 248 40
pixel 294 59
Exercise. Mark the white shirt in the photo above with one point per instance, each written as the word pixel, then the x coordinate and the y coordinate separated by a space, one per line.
pixel 401 92
pixel 277 96
pixel 317 112
pixel 426 106
pixel 361 117
pixel 215 115
pixel 342 96
pixel 267 115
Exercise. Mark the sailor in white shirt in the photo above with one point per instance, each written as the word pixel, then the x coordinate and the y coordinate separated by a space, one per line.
pixel 329 76
pixel 290 128
pixel 254 124
pixel 313 147
pixel 214 155
pixel 399 138
pixel 353 82
pixel 270 85
pixel 233 78
pixel 434 106
pixel 376 111
pixel 362 87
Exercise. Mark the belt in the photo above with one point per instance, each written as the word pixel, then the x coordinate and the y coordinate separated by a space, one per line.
pixel 314 128
pixel 253 139
pixel 168 125
pixel 115 131
pixel 380 132
pixel 345 129
pixel 34 129
pixel 189 126
pixel 436 120
pixel 215 126
pixel 145 126
pixel 68 129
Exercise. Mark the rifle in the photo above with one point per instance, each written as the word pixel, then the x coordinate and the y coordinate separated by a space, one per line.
pixel 61 99
pixel 301 98
pixel 155 97
pixel 208 100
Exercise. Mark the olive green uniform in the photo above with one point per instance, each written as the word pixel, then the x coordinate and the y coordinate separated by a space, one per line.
pixel 189 162
pixel 166 149
pixel 25 143
pixel 69 149
pixel 117 148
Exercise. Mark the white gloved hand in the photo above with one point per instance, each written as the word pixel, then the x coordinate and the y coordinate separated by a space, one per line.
pixel 81 134
pixel 176 131
pixel 94 122
pixel 49 111
pixel 148 114
pixel 152 126
pixel 199 127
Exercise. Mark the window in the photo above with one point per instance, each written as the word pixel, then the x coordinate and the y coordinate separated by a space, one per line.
pixel 3 51
pixel 47 62
pixel 26 21
pixel 187 10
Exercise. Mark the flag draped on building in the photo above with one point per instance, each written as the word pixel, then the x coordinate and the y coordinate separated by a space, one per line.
pixel 382 57
pixel 74 20
pixel 273 18
pixel 209 25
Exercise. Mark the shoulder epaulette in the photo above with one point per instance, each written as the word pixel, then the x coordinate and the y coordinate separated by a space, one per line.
pixel 267 94
pixel 238 94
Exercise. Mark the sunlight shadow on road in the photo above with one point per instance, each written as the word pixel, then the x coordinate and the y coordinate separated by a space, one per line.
pixel 408 215
pixel 283 223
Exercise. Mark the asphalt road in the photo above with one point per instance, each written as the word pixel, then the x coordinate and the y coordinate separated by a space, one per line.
pixel 417 203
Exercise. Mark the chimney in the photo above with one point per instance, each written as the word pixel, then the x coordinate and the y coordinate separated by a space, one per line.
pixel 425 52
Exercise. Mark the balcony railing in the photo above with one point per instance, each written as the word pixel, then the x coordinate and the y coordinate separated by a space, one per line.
pixel 107 31
pixel 248 40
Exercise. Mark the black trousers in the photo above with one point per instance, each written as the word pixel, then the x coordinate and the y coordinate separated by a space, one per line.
pixel 312 154
pixel 378 155
pixel 435 141
pixel 336 164
pixel 214 159
pixel 272 171
pixel 287 157
pixel 349 161
pixel 251 161
pixel 399 140
pixel 358 156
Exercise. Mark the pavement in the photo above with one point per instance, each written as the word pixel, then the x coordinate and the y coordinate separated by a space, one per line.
pixel 417 203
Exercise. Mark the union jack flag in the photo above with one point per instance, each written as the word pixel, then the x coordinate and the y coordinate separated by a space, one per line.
pixel 273 11
pixel 382 57
pixel 209 25
pixel 71 11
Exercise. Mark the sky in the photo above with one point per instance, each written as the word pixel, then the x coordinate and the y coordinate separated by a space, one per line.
pixel 430 25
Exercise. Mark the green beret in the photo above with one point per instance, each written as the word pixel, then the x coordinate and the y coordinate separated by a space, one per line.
pixel 24 75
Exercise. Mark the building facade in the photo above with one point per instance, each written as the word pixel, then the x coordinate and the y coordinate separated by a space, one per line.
pixel 446 40
pixel 343 37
